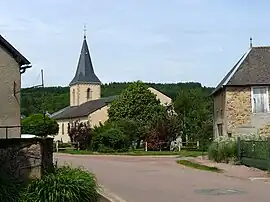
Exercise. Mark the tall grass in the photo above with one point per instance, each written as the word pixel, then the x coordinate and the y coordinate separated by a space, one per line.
pixel 10 187
pixel 224 149
pixel 63 184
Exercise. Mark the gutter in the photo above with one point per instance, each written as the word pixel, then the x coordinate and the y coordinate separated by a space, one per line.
pixel 24 67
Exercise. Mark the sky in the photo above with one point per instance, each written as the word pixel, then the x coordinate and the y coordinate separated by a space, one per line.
pixel 164 41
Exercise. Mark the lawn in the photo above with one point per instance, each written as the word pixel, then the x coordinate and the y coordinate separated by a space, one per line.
pixel 198 166
pixel 183 153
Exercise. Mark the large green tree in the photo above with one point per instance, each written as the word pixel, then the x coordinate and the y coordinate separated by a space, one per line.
pixel 194 109
pixel 136 103
pixel 39 125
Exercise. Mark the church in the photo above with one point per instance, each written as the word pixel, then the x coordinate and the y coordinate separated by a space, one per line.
pixel 86 103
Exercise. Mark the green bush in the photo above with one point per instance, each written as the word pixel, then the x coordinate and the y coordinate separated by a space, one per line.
pixel 63 184
pixel 224 149
pixel 10 187
pixel 39 125
pixel 112 139
pixel 64 145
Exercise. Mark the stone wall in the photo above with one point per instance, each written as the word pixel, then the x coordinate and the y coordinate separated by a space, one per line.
pixel 26 158
pixel 219 109
pixel 80 93
pixel 238 107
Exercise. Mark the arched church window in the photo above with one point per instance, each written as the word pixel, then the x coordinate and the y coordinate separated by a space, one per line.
pixel 73 96
pixel 63 129
pixel 89 94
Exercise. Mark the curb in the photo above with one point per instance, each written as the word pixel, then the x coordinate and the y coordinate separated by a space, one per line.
pixel 107 196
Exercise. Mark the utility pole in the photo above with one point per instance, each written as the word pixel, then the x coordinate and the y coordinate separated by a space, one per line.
pixel 42 85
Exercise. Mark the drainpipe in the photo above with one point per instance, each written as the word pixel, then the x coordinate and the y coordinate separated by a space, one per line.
pixel 24 67
pixel 213 116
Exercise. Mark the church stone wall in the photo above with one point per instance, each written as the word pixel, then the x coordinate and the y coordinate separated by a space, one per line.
pixel 164 100
pixel 63 129
pixel 78 93
pixel 98 116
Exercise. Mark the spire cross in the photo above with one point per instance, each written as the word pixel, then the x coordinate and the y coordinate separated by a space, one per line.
pixel 84 30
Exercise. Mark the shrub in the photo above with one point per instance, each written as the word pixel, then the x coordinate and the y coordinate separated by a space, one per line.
pixel 224 149
pixel 80 134
pixel 64 145
pixel 162 132
pixel 64 184
pixel 40 125
pixel 10 187
pixel 112 139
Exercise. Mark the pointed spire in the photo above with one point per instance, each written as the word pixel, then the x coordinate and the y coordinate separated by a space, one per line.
pixel 85 71
pixel 84 31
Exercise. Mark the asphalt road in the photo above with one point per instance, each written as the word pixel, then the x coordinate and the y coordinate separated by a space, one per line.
pixel 160 179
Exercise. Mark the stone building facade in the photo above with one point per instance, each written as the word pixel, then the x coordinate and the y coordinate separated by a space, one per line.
pixel 12 65
pixel 241 100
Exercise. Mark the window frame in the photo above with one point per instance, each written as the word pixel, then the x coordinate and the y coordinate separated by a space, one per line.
pixel 252 96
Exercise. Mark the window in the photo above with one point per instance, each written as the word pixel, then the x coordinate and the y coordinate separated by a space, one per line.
pixel 73 97
pixel 63 129
pixel 220 130
pixel 259 96
pixel 89 94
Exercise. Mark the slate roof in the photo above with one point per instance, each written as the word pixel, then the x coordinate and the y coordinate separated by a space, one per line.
pixel 82 110
pixel 20 59
pixel 85 71
pixel 253 68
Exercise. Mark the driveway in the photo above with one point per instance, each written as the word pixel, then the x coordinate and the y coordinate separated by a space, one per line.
pixel 160 179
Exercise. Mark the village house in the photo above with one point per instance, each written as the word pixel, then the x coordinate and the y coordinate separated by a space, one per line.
pixel 86 103
pixel 12 65
pixel 241 99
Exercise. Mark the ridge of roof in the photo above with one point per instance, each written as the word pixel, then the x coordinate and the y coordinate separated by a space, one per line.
pixel 20 59
pixel 82 110
pixel 230 73
pixel 252 69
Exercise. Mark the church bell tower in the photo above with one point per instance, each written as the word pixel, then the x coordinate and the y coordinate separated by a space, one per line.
pixel 85 85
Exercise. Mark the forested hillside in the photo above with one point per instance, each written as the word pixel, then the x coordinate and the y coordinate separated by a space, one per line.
pixel 51 99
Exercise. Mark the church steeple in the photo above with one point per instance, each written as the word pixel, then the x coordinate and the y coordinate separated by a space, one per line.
pixel 85 71
pixel 85 86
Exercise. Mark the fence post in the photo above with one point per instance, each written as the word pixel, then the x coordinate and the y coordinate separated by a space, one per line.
pixel 268 141
pixel 238 143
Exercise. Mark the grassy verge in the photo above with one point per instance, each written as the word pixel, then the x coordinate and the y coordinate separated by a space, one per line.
pixel 198 166
pixel 183 153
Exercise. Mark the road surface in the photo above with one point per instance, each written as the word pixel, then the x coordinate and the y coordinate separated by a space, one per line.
pixel 160 179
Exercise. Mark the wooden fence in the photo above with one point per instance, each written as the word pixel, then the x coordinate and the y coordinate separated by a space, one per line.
pixel 254 153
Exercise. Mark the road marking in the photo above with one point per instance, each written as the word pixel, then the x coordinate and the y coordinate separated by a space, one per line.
pixel 109 195
pixel 258 178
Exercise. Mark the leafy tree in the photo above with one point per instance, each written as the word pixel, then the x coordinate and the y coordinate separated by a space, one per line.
pixel 194 109
pixel 80 134
pixel 39 125
pixel 136 103
pixel 163 131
